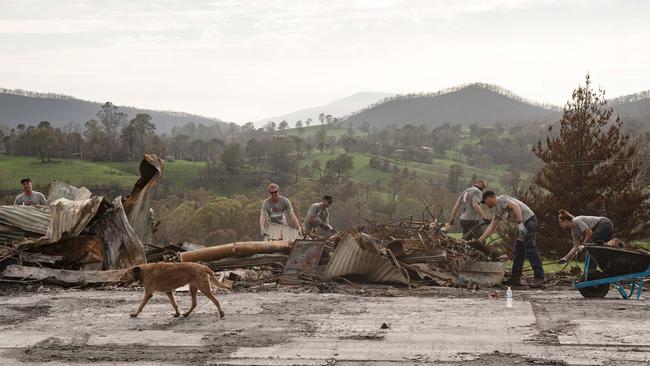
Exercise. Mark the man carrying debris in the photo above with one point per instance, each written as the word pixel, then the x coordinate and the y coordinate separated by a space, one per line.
pixel 472 217
pixel 525 247
pixel 318 216
pixel 29 197
pixel 275 211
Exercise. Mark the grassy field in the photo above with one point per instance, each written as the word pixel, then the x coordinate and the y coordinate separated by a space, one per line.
pixel 178 174
pixel 76 172
pixel 312 130
pixel 181 175
pixel 437 170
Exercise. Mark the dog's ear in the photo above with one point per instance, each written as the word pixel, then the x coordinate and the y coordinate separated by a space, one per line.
pixel 137 273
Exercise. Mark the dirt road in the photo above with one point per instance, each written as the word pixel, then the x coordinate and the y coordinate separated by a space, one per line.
pixel 443 326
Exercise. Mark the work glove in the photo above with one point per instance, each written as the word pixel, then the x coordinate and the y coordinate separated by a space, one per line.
pixel 522 229
pixel 264 236
pixel 562 261
pixel 487 221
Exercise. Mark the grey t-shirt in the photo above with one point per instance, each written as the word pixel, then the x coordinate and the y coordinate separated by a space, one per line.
pixel 276 211
pixel 502 212
pixel 582 223
pixel 319 213
pixel 36 198
pixel 467 199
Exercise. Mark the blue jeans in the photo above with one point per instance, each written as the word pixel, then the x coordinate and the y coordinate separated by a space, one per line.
pixel 601 234
pixel 525 248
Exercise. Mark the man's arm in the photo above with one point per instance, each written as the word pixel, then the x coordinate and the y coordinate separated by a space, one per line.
pixel 294 221
pixel 16 201
pixel 490 229
pixel 516 211
pixel 264 220
pixel 263 223
pixel 477 208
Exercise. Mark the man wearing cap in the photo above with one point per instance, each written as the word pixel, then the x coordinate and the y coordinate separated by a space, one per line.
pixel 29 197
pixel 472 217
pixel 525 247
pixel 274 210
pixel 318 216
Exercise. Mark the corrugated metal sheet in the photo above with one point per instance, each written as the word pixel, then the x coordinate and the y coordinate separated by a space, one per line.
pixel 33 219
pixel 71 217
pixel 9 234
pixel 350 259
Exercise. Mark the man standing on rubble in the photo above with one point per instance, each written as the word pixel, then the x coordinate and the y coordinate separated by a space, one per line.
pixel 472 217
pixel 525 247
pixel 318 216
pixel 29 197
pixel 275 210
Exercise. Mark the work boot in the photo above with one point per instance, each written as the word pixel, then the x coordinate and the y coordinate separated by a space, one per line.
pixel 537 282
pixel 515 281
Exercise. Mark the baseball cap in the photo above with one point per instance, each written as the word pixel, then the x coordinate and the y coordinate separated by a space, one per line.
pixel 25 180
pixel 328 197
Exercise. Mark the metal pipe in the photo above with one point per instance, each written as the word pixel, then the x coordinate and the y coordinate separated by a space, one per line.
pixel 245 248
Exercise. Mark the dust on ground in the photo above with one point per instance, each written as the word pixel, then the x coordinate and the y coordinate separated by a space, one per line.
pixel 303 325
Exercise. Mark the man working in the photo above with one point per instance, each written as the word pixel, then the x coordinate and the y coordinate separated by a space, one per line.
pixel 275 210
pixel 525 247
pixel 469 204
pixel 29 197
pixel 318 216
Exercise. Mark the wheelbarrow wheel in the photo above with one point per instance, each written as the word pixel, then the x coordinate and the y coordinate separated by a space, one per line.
pixel 594 291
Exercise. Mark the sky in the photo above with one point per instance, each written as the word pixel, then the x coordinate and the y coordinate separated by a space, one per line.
pixel 245 60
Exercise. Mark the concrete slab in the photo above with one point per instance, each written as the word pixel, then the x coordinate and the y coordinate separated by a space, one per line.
pixel 279 328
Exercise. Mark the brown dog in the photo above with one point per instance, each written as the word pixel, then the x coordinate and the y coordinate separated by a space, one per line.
pixel 166 277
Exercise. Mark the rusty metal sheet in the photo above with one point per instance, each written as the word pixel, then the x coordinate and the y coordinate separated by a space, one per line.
pixel 349 258
pixel 32 219
pixel 304 256
pixel 138 203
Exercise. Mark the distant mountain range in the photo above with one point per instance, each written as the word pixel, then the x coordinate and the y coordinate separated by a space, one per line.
pixel 479 103
pixel 17 106
pixel 337 108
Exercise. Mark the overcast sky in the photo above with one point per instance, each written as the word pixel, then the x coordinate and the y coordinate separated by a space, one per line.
pixel 245 60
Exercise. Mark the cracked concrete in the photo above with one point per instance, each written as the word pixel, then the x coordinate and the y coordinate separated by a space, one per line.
pixel 443 326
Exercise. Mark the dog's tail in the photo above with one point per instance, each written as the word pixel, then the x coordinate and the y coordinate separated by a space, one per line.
pixel 215 281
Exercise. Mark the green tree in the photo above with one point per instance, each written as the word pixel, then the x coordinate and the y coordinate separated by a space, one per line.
pixel 231 158
pixel 111 119
pixel 321 139
pixel 590 169
pixel 453 178
pixel 340 167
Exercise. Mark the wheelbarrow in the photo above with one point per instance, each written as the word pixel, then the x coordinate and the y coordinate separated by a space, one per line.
pixel 619 267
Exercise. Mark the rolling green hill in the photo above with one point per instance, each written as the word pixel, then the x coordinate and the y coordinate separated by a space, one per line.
pixel 181 175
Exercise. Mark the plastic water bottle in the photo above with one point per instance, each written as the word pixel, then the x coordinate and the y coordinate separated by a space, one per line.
pixel 509 297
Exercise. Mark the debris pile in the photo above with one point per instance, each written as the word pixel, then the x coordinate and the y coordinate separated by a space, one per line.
pixel 401 252
pixel 78 237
